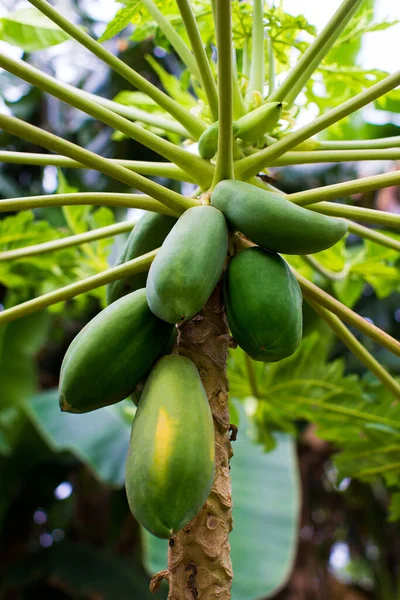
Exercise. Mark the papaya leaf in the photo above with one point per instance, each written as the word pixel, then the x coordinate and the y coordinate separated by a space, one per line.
pixel 19 343
pixel 121 20
pixel 99 438
pixel 359 416
pixel 264 537
pixel 30 30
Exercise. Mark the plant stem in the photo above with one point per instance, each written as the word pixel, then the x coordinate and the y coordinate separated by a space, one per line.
pixel 347 188
pixel 246 58
pixel 374 236
pixel 357 348
pixel 182 50
pixel 313 292
pixel 257 74
pixel 155 169
pixel 224 160
pixel 251 165
pixel 239 105
pixel 73 97
pixel 389 142
pixel 198 559
pixel 67 242
pixel 86 198
pixel 194 125
pixel 358 213
pixel 271 67
pixel 304 68
pixel 131 267
pixel 251 376
pixel 331 275
pixel 38 136
pixel 206 76
pixel 136 114
pixel 322 156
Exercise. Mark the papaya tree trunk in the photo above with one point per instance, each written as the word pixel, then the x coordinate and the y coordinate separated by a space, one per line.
pixel 199 564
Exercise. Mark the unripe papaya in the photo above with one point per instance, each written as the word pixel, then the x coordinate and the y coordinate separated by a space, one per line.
pixel 253 125
pixel 137 392
pixel 148 234
pixel 273 222
pixel 111 354
pixel 263 305
pixel 188 265
pixel 208 141
pixel 170 464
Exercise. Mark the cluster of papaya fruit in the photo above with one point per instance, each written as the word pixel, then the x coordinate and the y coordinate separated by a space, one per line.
pixel 167 478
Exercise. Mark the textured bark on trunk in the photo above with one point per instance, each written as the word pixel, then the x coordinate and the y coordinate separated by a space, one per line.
pixel 199 564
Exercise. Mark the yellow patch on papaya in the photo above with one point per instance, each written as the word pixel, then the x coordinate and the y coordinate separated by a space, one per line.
pixel 162 441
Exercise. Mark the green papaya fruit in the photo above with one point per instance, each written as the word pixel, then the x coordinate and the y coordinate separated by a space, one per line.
pixel 188 265
pixel 208 141
pixel 137 392
pixel 273 222
pixel 256 123
pixel 148 234
pixel 111 354
pixel 263 305
pixel 170 464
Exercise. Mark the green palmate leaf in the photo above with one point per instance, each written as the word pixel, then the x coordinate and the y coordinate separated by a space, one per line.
pixel 32 275
pixel 99 439
pixel 121 20
pixel 359 416
pixel 263 539
pixel 389 102
pixel 172 85
pixel 365 263
pixel 30 30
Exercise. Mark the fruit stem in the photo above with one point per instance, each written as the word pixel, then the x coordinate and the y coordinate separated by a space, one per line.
pixel 204 69
pixel 251 165
pixel 193 124
pixel 224 160
pixel 313 292
pixel 72 96
pixel 356 348
pixel 131 267
pixel 156 169
pixel 67 242
pixel 36 135
pixel 310 60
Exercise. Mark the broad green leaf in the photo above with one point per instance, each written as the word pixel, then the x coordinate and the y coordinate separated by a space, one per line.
pixel 361 417
pixel 121 20
pixel 19 343
pixel 30 30
pixel 266 498
pixel 99 438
